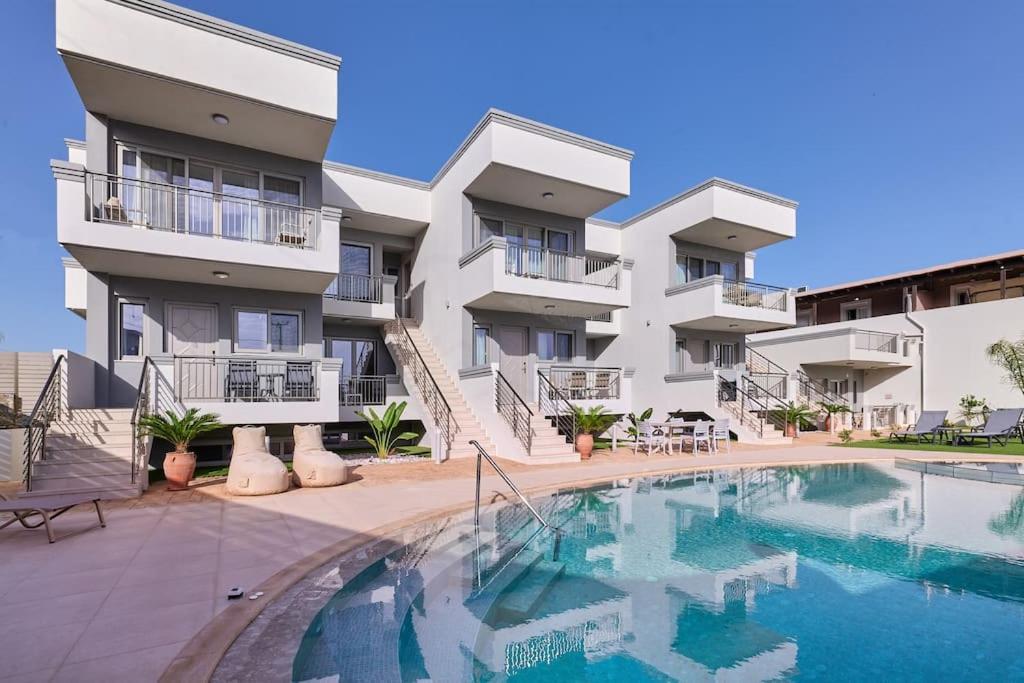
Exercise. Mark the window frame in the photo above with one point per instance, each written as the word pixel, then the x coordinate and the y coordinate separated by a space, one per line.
pixel 268 348
pixel 479 217
pixel 863 304
pixel 554 332
pixel 345 370
pixel 486 328
pixel 954 294
pixel 121 303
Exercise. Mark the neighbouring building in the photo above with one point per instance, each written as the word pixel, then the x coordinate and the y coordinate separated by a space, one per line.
pixel 894 345
pixel 220 261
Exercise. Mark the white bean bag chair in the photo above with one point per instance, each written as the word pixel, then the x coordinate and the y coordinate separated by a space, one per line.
pixel 312 464
pixel 254 471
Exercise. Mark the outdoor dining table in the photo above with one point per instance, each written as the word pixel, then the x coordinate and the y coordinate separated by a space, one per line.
pixel 676 427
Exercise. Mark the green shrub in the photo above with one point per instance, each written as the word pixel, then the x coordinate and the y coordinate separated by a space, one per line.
pixel 846 436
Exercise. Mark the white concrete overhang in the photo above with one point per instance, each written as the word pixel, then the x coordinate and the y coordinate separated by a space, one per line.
pixel 710 304
pixel 75 282
pixel 377 202
pixel 160 65
pixel 516 161
pixel 486 284
pixel 844 346
pixel 722 214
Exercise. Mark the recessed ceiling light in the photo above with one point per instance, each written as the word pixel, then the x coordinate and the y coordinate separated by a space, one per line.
pixel 549 307
pixel 731 237
pixel 347 219
pixel 220 275
pixel 220 119
pixel 548 195
pixel 733 325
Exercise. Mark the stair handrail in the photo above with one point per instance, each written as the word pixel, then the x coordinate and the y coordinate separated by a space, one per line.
pixel 433 399
pixel 773 404
pixel 147 402
pixel 514 410
pixel 771 367
pixel 482 455
pixel 551 398
pixel 808 386
pixel 743 413
pixel 48 405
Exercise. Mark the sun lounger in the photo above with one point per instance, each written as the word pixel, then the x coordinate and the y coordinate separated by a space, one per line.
pixel 928 424
pixel 47 508
pixel 1001 426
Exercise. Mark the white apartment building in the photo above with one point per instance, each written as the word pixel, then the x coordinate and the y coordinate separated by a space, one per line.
pixel 894 345
pixel 220 261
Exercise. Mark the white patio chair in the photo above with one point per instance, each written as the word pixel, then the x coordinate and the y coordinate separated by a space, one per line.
pixel 702 434
pixel 720 432
pixel 650 437
pixel 677 426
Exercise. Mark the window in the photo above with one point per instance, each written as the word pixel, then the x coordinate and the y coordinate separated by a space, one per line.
pixel 358 356
pixel 688 268
pixel 712 268
pixel 489 227
pixel 855 310
pixel 725 355
pixel 680 356
pixel 959 295
pixel 132 316
pixel 261 331
pixel 730 271
pixel 555 346
pixel 480 335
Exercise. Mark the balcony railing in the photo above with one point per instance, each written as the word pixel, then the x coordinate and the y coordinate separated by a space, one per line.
pixel 600 317
pixel 586 383
pixel 364 288
pixel 362 390
pixel 560 266
pixel 885 342
pixel 753 295
pixel 258 380
pixel 191 211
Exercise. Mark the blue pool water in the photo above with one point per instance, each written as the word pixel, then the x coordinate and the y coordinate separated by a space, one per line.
pixel 844 572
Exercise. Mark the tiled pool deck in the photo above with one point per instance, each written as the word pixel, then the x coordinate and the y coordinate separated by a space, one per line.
pixel 121 603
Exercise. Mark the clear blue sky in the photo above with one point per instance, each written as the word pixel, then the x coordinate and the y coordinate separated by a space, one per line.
pixel 899 127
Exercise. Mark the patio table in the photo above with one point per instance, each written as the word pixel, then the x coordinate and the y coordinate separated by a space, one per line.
pixel 674 427
pixel 950 435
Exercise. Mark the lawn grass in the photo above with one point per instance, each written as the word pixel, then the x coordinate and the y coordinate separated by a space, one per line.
pixel 1012 448
pixel 202 472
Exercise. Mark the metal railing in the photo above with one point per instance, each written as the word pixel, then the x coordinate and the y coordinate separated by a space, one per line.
pixel 481 455
pixel 412 361
pixel 561 266
pixel 773 405
pixel 747 410
pixel 362 390
pixel 235 378
pixel 364 288
pixel 554 404
pixel 600 317
pixel 885 342
pixel 754 295
pixel 154 396
pixel 811 394
pixel 586 383
pixel 513 409
pixel 759 364
pixel 49 407
pixel 191 211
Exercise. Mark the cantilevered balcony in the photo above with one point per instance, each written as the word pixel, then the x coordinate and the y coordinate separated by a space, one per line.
pixel 361 297
pixel 715 303
pixel 839 345
pixel 136 228
pixel 507 277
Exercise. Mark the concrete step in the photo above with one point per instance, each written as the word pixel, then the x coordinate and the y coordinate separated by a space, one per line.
pixel 49 469
pixel 59 440
pixel 89 452
pixel 109 493
pixel 68 484
pixel 83 429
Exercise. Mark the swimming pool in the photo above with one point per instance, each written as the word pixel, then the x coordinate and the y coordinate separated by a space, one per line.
pixel 848 572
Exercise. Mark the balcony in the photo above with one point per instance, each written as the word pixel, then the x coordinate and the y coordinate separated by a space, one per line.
pixel 255 390
pixel 184 234
pixel 604 325
pixel 840 346
pixel 587 386
pixel 361 297
pixel 504 277
pixel 714 303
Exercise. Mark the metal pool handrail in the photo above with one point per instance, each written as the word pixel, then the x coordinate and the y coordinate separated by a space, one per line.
pixel 481 455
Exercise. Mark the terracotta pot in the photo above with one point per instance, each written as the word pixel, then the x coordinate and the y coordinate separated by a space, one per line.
pixel 791 429
pixel 828 424
pixel 585 445
pixel 178 470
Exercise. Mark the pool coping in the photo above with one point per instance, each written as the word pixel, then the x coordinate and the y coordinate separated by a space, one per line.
pixel 199 658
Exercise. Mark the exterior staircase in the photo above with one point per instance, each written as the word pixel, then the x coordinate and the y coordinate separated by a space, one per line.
pixel 470 428
pixel 89 450
pixel 549 446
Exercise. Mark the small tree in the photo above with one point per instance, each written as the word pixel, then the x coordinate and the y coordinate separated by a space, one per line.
pixel 179 431
pixel 973 410
pixel 1010 357
pixel 383 427
pixel 831 410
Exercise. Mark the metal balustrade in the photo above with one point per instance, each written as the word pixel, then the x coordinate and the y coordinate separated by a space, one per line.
pixel 50 406
pixel 362 390
pixel 754 295
pixel 364 288
pixel 191 211
pixel 234 378
pixel 561 266
pixel 553 403
pixel 583 383
pixel 601 317
pixel 885 342
pixel 513 409
pixel 154 396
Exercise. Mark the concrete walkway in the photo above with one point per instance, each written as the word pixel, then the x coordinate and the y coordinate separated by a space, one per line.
pixel 119 603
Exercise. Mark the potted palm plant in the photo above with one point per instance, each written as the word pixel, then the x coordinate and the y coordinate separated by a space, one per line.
pixel 796 414
pixel 588 424
pixel 180 464
pixel 831 410
pixel 384 438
